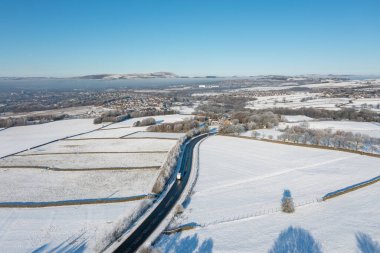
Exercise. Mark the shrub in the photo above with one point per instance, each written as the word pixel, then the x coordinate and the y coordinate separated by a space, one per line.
pixel 287 205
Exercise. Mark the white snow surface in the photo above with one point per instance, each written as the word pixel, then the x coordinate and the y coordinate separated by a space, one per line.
pixel 369 128
pixel 110 133
pixel 264 133
pixel 156 135
pixel 240 177
pixel 72 228
pixel 19 138
pixel 87 161
pixel 58 229
pixel 101 145
pixel 38 185
pixel 296 118
pixel 159 119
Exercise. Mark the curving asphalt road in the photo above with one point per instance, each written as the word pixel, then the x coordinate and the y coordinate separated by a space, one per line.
pixel 141 234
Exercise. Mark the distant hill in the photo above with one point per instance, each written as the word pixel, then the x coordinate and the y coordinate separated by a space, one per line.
pixel 131 76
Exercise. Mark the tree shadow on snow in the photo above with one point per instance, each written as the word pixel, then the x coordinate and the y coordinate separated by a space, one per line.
pixel 188 244
pixel 366 244
pixel 71 245
pixel 295 239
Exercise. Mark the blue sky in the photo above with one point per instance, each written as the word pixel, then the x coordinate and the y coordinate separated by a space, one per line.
pixel 197 37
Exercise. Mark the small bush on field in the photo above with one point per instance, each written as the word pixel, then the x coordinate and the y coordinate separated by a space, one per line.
pixel 287 205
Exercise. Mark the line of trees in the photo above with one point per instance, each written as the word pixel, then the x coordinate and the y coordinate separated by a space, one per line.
pixel 30 120
pixel 328 138
pixel 117 115
pixel 342 114
pixel 170 164
pixel 177 127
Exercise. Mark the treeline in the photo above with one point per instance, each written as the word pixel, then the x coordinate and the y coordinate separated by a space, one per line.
pixel 178 127
pixel 30 120
pixel 230 111
pixel 342 114
pixel 214 107
pixel 326 137
pixel 243 121
pixel 117 116
pixel 223 104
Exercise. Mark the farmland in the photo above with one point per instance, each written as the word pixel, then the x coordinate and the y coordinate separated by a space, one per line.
pixel 237 196
pixel 77 182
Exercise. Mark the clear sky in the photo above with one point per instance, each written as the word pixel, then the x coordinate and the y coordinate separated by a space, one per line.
pixel 193 37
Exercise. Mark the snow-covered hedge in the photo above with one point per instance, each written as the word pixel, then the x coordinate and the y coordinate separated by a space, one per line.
pixel 170 164
pixel 108 235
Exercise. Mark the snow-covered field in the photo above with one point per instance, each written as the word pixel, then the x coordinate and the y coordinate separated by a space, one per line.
pixel 365 103
pixel 294 101
pixel 353 83
pixel 16 139
pixel 71 228
pixel 110 133
pixel 296 118
pixel 38 185
pixel 264 133
pixel 87 161
pixel 102 145
pixel 160 119
pixel 369 128
pixel 58 229
pixel 182 109
pixel 156 135
pixel 241 177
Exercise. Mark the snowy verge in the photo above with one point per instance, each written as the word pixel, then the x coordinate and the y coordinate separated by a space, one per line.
pixel 186 192
pixel 113 246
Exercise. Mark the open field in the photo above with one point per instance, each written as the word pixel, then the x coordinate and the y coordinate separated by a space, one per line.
pixel 244 178
pixel 86 161
pixel 95 166
pixel 37 185
pixel 110 133
pixel 77 111
pixel 156 135
pixel 16 139
pixel 368 128
pixel 371 129
pixel 160 119
pixel 104 145
pixel 296 118
pixel 58 229
pixel 295 101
